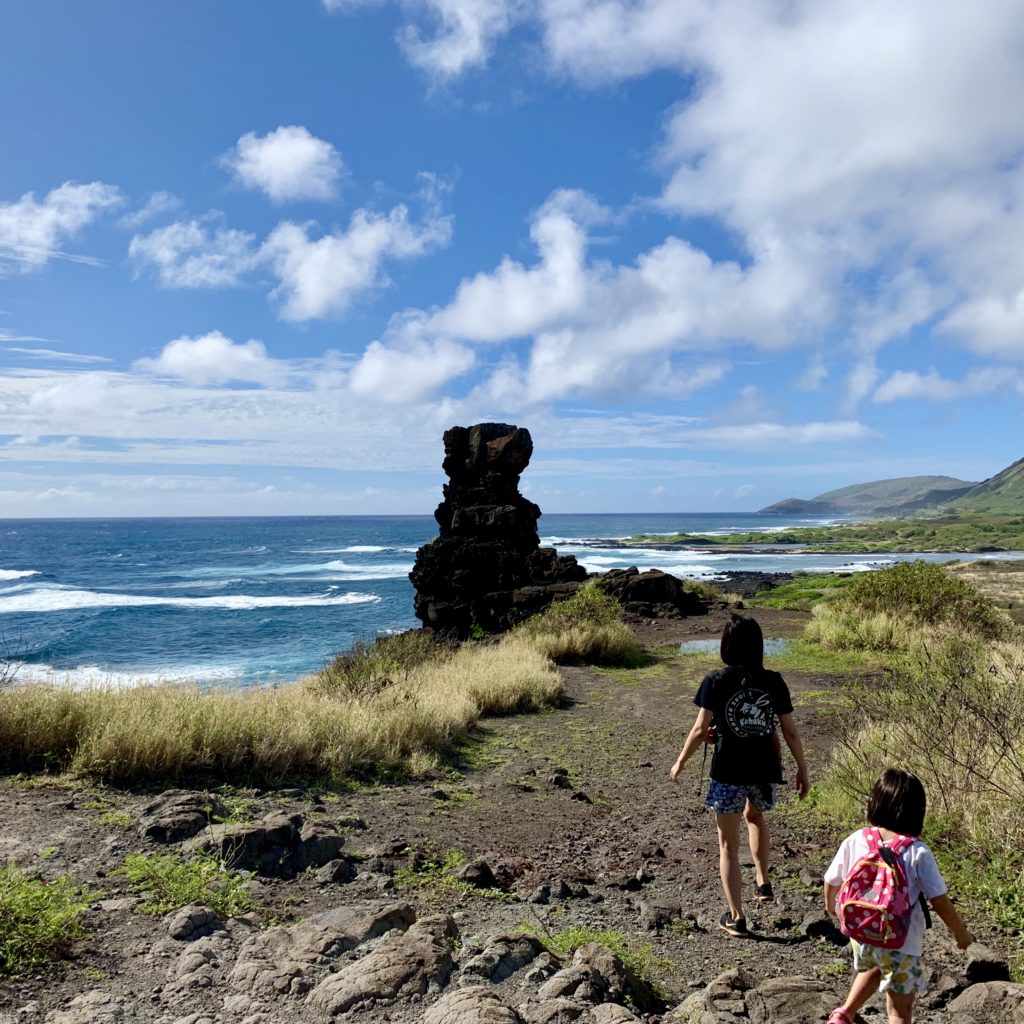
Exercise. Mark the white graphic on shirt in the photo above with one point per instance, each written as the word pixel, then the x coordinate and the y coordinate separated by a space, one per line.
pixel 749 713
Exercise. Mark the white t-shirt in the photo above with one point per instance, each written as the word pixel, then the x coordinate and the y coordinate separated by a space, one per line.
pixel 922 877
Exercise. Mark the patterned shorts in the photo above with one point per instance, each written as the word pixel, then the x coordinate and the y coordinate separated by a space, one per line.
pixel 729 799
pixel 902 974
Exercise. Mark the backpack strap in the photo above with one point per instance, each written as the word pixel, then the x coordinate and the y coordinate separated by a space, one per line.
pixel 873 838
pixel 901 844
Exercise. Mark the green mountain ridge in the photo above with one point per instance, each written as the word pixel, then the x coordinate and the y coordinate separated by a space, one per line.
pixel 896 496
pixel 1002 493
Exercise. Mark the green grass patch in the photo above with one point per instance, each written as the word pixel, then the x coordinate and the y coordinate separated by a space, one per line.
pixel 803 592
pixel 438 872
pixel 956 533
pixel 39 920
pixel 117 818
pixel 170 883
pixel 803 656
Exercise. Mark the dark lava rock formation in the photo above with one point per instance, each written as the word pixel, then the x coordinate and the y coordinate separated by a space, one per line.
pixel 487 568
pixel 652 594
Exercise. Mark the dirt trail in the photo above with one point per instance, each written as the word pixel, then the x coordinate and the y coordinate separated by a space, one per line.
pixel 617 844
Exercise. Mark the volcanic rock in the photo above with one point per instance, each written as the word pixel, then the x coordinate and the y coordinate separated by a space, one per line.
pixel 652 594
pixel 487 569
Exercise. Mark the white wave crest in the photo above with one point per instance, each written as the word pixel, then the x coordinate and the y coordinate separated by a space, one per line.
pixel 48 599
pixel 17 574
pixel 88 676
pixel 371 571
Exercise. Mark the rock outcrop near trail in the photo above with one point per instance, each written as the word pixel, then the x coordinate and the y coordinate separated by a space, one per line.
pixel 487 568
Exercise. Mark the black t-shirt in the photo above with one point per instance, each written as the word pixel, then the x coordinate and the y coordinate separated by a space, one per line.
pixel 745 703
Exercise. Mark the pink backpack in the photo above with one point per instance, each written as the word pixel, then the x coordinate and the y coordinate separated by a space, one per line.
pixel 873 904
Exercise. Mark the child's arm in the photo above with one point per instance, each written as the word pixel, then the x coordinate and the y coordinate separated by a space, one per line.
pixel 943 906
pixel 792 737
pixel 831 892
pixel 693 742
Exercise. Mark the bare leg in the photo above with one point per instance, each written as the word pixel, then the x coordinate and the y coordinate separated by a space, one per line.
pixel 900 1007
pixel 865 985
pixel 760 845
pixel 729 861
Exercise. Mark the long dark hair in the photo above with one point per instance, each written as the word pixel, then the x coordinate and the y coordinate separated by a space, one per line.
pixel 742 643
pixel 898 802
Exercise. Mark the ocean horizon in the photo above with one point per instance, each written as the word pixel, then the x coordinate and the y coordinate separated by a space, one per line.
pixel 262 600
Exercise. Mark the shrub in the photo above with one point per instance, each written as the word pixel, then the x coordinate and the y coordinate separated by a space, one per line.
pixel 896 609
pixel 38 920
pixel 370 666
pixel 925 594
pixel 587 628
pixel 171 883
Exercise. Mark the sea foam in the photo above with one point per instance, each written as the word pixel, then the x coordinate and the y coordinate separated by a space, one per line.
pixel 54 599
pixel 17 574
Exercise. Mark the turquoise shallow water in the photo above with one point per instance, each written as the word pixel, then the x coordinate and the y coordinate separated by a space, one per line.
pixel 256 601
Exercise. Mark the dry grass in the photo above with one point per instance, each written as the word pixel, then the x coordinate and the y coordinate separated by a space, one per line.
pixel 1001 582
pixel 387 707
pixel 166 732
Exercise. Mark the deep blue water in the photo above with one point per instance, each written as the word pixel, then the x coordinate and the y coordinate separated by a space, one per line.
pixel 261 600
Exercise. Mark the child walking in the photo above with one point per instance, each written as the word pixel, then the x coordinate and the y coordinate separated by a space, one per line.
pixel 895 810
pixel 742 701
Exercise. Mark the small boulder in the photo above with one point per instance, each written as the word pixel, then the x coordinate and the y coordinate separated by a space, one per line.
pixel 794 1000
pixel 984 964
pixel 193 922
pixel 478 1005
pixel 477 873
pixel 502 957
pixel 988 1003
pixel 336 872
pixel 178 814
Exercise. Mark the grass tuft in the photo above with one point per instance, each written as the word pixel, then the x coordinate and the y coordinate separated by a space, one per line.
pixel 171 883
pixel 586 628
pixel 39 920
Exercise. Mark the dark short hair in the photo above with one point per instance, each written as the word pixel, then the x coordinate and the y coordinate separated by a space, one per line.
pixel 742 642
pixel 898 802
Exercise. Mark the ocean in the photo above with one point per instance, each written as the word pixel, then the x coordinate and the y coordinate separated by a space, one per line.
pixel 251 601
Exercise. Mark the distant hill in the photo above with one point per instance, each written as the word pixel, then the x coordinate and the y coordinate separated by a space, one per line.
pixel 895 496
pixel 1003 492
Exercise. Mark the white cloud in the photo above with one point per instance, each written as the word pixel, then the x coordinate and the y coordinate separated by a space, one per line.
pixel 189 254
pixel 932 386
pixel 403 375
pixel 515 301
pixel 814 375
pixel 214 359
pixel 57 356
pixel 156 204
pixel 320 277
pixel 463 31
pixel 991 325
pixel 859 382
pixel 32 232
pixel 604 329
pixel 287 164
pixel 867 157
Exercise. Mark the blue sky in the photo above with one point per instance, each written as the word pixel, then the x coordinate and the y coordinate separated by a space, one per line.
pixel 255 257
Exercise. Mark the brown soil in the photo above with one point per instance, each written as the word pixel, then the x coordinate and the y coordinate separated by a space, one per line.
pixel 616 736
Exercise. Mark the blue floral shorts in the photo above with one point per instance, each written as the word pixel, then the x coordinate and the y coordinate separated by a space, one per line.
pixel 728 799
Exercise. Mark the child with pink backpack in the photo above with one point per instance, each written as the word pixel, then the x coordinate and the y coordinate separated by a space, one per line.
pixel 876 886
